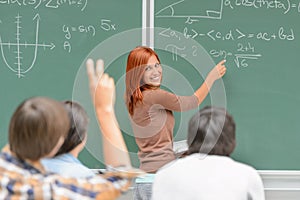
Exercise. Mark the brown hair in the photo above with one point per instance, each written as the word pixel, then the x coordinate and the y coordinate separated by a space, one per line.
pixel 36 127
pixel 136 64
pixel 78 127
pixel 211 131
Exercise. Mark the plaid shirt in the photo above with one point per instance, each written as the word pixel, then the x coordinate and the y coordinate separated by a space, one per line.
pixel 20 180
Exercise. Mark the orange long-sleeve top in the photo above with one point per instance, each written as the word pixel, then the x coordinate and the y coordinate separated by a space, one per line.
pixel 153 123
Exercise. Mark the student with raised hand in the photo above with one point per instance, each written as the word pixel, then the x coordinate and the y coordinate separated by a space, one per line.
pixel 102 88
pixel 37 130
pixel 208 172
pixel 66 160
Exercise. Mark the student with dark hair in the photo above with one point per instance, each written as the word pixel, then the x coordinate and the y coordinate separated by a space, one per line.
pixel 207 172
pixel 37 130
pixel 31 133
pixel 66 160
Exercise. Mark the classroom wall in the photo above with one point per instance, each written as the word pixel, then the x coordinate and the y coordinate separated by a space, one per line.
pixel 261 85
pixel 44 46
pixel 260 42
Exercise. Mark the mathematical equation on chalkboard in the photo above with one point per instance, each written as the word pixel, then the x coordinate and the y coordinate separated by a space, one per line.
pixel 191 20
pixel 284 5
pixel 215 8
pixel 235 34
pixel 244 51
pixel 53 4
pixel 16 44
pixel 88 29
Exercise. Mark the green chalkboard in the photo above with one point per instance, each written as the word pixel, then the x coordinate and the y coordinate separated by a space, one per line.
pixel 260 41
pixel 43 45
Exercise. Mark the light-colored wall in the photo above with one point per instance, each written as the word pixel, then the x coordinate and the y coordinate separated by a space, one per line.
pixel 279 185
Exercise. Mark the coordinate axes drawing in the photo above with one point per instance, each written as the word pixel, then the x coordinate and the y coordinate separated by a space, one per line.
pixel 18 47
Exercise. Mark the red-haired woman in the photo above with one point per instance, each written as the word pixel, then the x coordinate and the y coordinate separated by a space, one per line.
pixel 151 108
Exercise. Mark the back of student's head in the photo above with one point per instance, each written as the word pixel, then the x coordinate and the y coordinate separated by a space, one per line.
pixel 36 127
pixel 78 126
pixel 211 131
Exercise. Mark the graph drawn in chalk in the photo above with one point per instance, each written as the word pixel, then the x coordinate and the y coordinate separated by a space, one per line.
pixel 18 48
pixel 187 9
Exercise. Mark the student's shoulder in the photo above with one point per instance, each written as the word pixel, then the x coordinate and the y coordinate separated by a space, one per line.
pixel 91 186
pixel 175 166
pixel 245 168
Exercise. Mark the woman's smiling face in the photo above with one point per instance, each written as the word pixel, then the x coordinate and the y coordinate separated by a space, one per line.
pixel 153 72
